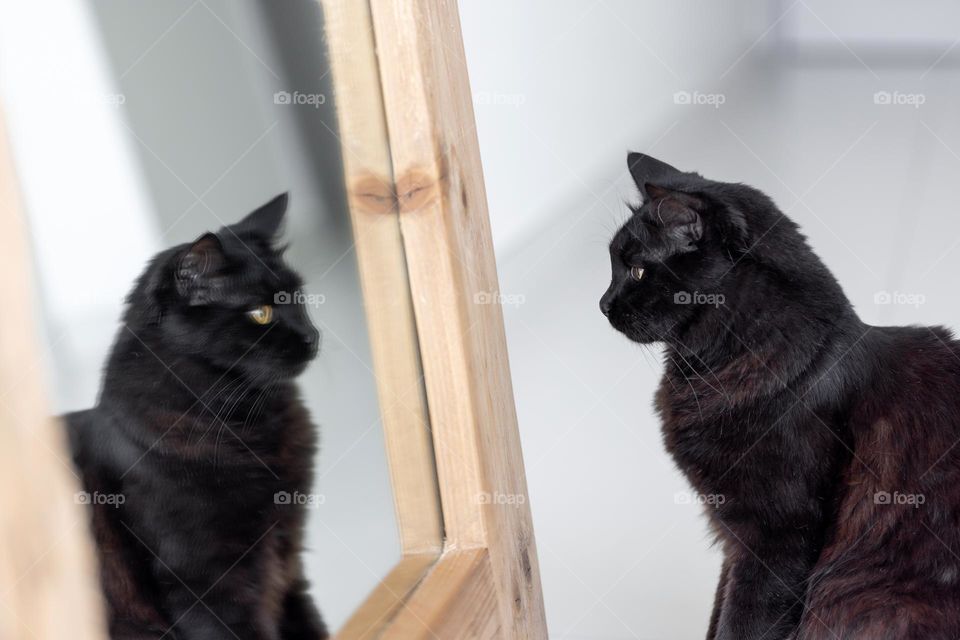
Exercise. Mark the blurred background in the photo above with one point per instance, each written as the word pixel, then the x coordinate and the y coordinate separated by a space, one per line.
pixel 139 125
pixel 839 111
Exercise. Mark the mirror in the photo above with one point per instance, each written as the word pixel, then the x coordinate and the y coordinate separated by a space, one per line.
pixel 139 127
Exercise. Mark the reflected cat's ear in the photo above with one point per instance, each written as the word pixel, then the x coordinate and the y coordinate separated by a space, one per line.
pixel 197 270
pixel 265 221
pixel 647 172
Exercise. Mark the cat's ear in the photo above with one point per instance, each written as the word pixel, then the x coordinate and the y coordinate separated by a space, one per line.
pixel 648 173
pixel 266 220
pixel 681 221
pixel 198 270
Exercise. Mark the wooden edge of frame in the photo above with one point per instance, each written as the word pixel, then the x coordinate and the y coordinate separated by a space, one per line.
pixel 457 599
pixel 371 198
pixel 48 574
pixel 383 275
pixel 450 260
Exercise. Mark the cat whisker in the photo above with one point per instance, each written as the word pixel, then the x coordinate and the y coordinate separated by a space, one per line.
pixel 693 389
pixel 229 406
pixel 226 418
pixel 229 386
pixel 697 373
pixel 258 405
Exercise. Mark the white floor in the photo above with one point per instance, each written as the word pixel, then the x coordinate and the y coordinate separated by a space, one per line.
pixel 874 188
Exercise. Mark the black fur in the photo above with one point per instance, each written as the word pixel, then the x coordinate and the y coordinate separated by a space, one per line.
pixel 197 435
pixel 794 419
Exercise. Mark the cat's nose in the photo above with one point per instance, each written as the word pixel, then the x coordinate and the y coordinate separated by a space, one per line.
pixel 311 338
pixel 605 302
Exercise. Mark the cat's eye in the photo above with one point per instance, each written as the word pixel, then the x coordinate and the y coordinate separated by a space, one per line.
pixel 636 273
pixel 262 314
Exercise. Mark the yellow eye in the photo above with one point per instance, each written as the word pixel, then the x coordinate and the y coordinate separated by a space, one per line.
pixel 636 273
pixel 262 314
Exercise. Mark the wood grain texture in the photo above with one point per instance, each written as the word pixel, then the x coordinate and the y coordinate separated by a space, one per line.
pixel 48 576
pixel 457 600
pixel 445 227
pixel 383 275
pixel 368 173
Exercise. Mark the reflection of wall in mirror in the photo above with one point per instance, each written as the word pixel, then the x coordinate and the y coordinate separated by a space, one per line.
pixel 84 194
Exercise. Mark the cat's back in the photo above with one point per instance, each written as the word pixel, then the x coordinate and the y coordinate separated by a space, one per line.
pixel 914 376
pixel 899 498
pixel 99 452
pixel 79 426
pixel 905 417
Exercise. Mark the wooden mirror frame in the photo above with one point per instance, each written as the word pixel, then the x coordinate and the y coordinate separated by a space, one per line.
pixel 469 565
pixel 401 81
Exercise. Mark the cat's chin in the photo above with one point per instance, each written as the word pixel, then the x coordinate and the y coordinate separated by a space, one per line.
pixel 641 338
pixel 634 332
pixel 279 373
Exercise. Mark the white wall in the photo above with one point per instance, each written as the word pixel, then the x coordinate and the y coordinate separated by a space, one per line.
pixel 562 90
pixel 885 23
pixel 91 221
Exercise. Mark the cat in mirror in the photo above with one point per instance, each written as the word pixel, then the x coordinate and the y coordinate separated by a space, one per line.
pixel 829 445
pixel 199 449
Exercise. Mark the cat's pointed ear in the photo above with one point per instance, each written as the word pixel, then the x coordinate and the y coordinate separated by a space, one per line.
pixel 680 219
pixel 198 269
pixel 648 173
pixel 266 220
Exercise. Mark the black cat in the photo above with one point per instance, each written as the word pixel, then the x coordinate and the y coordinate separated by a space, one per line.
pixel 832 443
pixel 198 452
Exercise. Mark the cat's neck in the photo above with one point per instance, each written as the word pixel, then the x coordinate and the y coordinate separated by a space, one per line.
pixel 146 372
pixel 766 328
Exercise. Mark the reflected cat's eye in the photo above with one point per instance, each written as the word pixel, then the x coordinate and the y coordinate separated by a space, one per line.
pixel 262 314
pixel 636 273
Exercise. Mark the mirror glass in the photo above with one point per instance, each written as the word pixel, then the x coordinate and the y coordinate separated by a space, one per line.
pixel 141 126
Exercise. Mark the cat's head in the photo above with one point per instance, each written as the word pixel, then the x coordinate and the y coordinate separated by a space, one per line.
pixel 671 258
pixel 228 299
